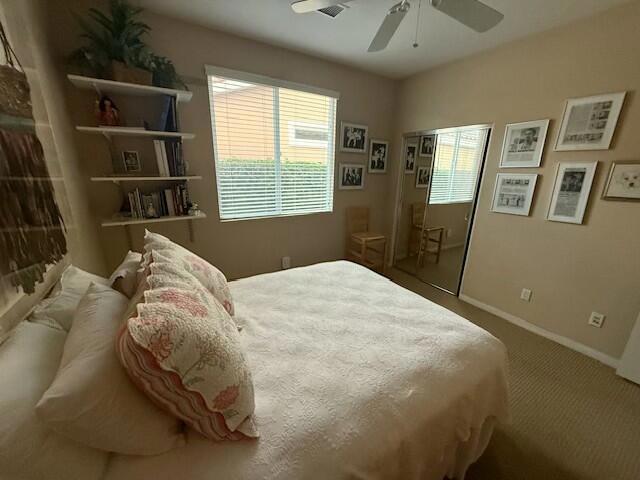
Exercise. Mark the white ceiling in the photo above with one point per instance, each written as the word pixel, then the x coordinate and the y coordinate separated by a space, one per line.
pixel 346 38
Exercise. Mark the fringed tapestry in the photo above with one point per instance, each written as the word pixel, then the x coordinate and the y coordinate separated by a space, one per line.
pixel 32 232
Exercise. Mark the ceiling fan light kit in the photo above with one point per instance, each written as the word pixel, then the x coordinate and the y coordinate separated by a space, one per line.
pixel 471 13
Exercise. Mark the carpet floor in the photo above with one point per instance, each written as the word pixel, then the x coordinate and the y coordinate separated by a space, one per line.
pixel 573 418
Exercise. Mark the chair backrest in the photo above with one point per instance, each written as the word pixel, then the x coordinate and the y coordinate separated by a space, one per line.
pixel 417 213
pixel 357 219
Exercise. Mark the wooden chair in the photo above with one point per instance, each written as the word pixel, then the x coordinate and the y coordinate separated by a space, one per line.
pixel 429 238
pixel 364 247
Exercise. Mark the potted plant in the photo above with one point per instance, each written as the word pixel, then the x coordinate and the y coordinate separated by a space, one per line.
pixel 115 48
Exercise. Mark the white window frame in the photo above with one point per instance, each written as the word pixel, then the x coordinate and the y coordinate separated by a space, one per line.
pixel 277 83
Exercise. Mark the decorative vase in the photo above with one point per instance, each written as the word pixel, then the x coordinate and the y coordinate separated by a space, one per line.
pixel 120 72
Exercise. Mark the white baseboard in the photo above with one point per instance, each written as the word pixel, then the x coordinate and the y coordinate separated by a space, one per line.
pixel 567 342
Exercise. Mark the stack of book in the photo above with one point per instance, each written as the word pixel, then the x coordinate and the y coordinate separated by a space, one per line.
pixel 169 158
pixel 172 202
pixel 169 152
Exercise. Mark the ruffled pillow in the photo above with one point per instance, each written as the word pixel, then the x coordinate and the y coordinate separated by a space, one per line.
pixel 183 350
pixel 159 248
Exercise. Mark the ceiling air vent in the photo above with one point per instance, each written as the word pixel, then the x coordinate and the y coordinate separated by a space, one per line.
pixel 332 11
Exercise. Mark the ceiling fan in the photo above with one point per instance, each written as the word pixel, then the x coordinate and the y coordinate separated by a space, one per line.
pixel 472 13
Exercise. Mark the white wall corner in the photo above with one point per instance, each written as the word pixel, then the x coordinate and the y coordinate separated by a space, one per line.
pixel 564 341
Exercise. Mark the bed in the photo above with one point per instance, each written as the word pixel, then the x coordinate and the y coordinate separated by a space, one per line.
pixel 355 377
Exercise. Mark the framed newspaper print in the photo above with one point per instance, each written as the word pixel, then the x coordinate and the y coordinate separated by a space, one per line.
pixel 513 193
pixel 589 123
pixel 523 144
pixel 571 191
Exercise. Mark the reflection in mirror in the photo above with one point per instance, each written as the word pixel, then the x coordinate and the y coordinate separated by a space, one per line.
pixel 438 196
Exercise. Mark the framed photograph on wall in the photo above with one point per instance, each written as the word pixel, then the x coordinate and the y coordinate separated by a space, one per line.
pixel 589 123
pixel 131 161
pixel 351 176
pixel 378 155
pixel 571 191
pixel 427 145
pixel 353 138
pixel 422 177
pixel 623 182
pixel 523 144
pixel 410 157
pixel 513 193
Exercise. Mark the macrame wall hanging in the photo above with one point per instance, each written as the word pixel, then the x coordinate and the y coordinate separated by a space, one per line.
pixel 32 233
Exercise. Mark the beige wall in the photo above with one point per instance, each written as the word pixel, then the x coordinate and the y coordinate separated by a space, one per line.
pixel 248 247
pixel 572 269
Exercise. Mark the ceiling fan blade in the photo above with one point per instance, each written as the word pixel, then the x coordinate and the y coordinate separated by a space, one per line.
pixel 389 26
pixel 472 13
pixel 306 6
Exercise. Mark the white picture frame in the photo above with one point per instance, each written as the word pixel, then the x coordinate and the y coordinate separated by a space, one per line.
pixel 378 156
pixel 523 144
pixel 351 176
pixel 589 123
pixel 410 157
pixel 513 193
pixel 623 181
pixel 571 189
pixel 427 146
pixel 353 137
pixel 423 176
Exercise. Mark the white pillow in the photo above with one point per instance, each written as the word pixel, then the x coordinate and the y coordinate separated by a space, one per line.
pixel 28 448
pixel 92 400
pixel 57 310
pixel 125 279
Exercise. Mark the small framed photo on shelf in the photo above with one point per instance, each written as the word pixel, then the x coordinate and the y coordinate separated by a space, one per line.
pixel 427 145
pixel 422 177
pixel 131 161
pixel 523 144
pixel 353 138
pixel 378 155
pixel 589 123
pixel 351 176
pixel 571 192
pixel 623 182
pixel 513 193
pixel 410 156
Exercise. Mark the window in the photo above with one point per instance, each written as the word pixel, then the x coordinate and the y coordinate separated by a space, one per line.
pixel 457 160
pixel 274 145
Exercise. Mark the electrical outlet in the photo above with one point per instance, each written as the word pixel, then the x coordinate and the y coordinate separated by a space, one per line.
pixel 596 319
pixel 286 262
pixel 449 232
pixel 525 295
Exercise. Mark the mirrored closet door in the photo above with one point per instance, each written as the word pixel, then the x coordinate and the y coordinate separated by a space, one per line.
pixel 439 187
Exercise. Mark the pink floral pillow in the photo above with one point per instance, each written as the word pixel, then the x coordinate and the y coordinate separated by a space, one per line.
pixel 183 350
pixel 159 248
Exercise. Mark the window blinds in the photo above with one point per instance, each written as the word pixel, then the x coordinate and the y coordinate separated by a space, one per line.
pixel 274 148
pixel 457 159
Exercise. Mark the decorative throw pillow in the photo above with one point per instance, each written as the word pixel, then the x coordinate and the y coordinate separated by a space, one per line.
pixel 125 279
pixel 158 247
pixel 57 310
pixel 29 449
pixel 92 400
pixel 184 351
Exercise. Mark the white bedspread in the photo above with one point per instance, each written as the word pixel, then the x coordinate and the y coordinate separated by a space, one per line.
pixel 355 377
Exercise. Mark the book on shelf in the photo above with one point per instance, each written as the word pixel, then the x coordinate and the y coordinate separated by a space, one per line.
pixel 172 201
pixel 168 121
pixel 169 158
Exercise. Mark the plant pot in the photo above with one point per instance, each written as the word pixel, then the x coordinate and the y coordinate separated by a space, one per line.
pixel 120 72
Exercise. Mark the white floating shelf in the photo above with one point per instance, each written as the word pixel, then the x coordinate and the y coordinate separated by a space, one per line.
pixel 133 132
pixel 111 86
pixel 151 178
pixel 122 221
